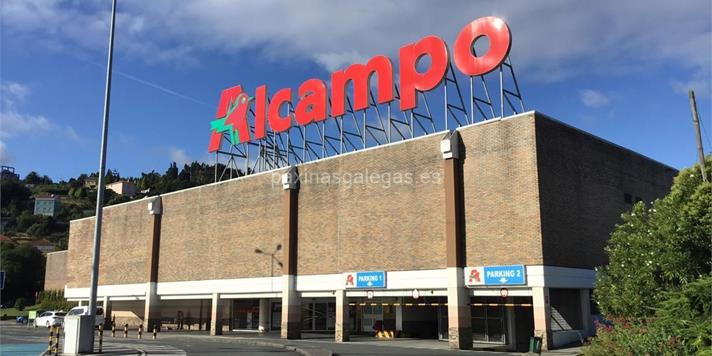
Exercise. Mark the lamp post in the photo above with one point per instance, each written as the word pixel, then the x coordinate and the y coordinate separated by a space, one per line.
pixel 272 258
pixel 102 171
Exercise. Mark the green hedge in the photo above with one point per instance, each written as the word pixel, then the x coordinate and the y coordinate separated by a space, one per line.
pixel 54 300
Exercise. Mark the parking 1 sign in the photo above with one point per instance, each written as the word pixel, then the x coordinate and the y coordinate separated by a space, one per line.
pixel 504 275
pixel 376 279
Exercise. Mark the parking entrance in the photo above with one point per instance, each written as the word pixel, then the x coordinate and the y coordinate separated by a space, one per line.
pixel 398 317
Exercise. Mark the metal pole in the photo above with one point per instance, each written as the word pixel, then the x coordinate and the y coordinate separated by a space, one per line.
pixel 698 135
pixel 102 171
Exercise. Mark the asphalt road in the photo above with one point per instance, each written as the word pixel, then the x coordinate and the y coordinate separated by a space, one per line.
pixel 18 340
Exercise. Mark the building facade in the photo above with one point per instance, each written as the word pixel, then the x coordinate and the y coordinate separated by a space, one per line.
pixel 123 188
pixel 46 205
pixel 487 234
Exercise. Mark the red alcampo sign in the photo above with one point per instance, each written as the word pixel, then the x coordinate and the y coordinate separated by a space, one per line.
pixel 311 107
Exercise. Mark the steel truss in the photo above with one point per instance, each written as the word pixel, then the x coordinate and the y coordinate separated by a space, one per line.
pixel 376 125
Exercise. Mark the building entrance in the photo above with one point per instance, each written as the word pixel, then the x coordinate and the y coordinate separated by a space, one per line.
pixel 318 316
pixel 489 320
pixel 245 314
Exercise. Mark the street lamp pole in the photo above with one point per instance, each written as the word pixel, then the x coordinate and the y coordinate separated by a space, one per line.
pixel 102 170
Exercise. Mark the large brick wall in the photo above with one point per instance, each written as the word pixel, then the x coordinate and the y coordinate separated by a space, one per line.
pixel 501 197
pixel 582 182
pixel 536 192
pixel 392 220
pixel 126 232
pixel 56 270
pixel 211 232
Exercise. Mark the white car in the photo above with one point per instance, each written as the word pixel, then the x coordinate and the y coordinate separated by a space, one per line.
pixel 84 310
pixel 50 318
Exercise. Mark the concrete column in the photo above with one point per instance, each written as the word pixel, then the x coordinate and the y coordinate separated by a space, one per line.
pixel 291 303
pixel 106 305
pixel 152 315
pixel 542 316
pixel 399 315
pixel 151 311
pixel 511 327
pixel 342 317
pixel 458 296
pixel 264 315
pixel 216 315
pixel 586 320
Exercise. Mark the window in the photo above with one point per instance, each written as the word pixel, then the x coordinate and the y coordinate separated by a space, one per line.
pixel 627 198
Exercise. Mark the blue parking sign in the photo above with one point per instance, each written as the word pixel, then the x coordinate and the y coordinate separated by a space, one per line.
pixel 505 275
pixel 374 279
pixel 2 279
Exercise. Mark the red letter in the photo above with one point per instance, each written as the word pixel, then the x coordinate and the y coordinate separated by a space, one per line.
pixel 260 104
pixel 500 42
pixel 312 94
pixel 227 97
pixel 411 79
pixel 360 76
pixel 276 122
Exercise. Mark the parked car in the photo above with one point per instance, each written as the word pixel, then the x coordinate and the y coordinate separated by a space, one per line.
pixel 50 318
pixel 21 319
pixel 84 310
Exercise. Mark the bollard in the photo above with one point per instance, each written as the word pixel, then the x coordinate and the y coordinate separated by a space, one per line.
pixel 113 330
pixel 126 330
pixel 56 344
pixel 101 336
pixel 51 340
pixel 140 331
pixel 154 332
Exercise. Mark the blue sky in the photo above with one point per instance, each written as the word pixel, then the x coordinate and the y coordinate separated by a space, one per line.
pixel 617 70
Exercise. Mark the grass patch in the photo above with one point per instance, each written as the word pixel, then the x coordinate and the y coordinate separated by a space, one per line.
pixel 14 313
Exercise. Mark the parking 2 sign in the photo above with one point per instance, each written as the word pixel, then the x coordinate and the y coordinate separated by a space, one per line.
pixel 495 276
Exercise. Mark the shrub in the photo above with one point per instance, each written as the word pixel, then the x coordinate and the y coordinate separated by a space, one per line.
pixel 20 304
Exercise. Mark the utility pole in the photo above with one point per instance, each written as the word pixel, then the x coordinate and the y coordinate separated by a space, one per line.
pixel 698 134
pixel 102 171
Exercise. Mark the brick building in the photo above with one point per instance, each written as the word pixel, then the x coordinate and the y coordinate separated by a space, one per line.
pixel 404 237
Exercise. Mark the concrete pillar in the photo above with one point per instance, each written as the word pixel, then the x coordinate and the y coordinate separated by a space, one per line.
pixel 106 305
pixel 291 303
pixel 458 296
pixel 151 311
pixel 216 315
pixel 399 315
pixel 264 315
pixel 152 315
pixel 542 316
pixel 342 317
pixel 586 320
pixel 511 326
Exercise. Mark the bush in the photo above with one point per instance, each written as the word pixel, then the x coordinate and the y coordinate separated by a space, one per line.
pixel 54 300
pixel 681 326
pixel 20 304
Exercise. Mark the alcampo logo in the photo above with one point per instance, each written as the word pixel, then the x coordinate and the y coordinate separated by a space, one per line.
pixel 311 107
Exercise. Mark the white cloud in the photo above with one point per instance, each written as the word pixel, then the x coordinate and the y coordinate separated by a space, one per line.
pixel 553 40
pixel 593 98
pixel 5 157
pixel 14 123
pixel 13 93
pixel 179 156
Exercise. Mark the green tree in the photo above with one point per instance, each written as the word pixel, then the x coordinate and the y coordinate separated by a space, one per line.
pixel 658 249
pixel 32 178
pixel 657 287
pixel 24 266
